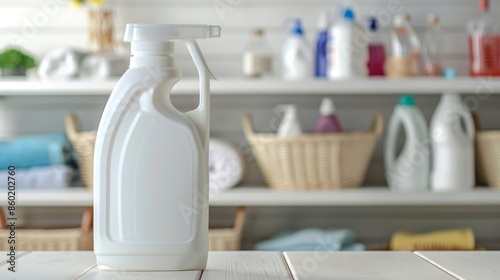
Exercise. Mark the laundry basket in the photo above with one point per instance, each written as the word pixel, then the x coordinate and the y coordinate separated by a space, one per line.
pixel 83 142
pixel 228 239
pixel 314 161
pixel 71 239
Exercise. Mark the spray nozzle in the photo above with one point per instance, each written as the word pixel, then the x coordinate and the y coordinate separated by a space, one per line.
pixel 288 110
pixel 136 32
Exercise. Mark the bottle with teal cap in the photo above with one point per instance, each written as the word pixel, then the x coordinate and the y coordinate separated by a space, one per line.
pixel 409 170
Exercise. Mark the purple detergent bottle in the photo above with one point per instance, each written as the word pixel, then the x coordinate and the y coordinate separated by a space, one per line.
pixel 328 121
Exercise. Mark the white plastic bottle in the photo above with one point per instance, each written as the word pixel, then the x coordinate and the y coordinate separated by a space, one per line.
pixel 347 54
pixel 290 125
pixel 297 55
pixel 452 144
pixel 151 161
pixel 409 171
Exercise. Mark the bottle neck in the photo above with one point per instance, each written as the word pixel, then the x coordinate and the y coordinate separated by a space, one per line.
pixel 167 61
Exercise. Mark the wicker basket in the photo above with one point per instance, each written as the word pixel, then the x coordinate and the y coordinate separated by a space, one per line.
pixel 83 143
pixel 49 239
pixel 228 239
pixel 314 161
pixel 488 156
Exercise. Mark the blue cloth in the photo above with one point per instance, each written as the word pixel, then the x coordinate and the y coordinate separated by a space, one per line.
pixel 312 240
pixel 33 151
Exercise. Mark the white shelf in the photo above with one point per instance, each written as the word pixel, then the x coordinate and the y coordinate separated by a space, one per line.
pixel 259 196
pixel 232 86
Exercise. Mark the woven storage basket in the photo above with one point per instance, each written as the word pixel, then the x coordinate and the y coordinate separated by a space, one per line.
pixel 314 161
pixel 228 239
pixel 83 143
pixel 488 156
pixel 49 239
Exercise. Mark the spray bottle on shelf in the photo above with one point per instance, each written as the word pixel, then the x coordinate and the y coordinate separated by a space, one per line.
pixel 321 46
pixel 289 126
pixel 452 134
pixel 484 42
pixel 151 161
pixel 432 47
pixel 376 50
pixel 257 57
pixel 405 56
pixel 296 56
pixel 409 171
pixel 328 121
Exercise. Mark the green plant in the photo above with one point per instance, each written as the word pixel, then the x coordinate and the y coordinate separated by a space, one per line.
pixel 13 59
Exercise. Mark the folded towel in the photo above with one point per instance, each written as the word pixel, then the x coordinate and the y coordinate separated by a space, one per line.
pixel 103 66
pixel 60 64
pixel 32 151
pixel 312 240
pixel 59 176
pixel 225 165
pixel 455 239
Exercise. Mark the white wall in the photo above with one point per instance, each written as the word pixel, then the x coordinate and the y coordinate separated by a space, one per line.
pixel 40 26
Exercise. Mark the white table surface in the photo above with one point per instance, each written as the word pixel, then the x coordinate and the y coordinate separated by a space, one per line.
pixel 241 265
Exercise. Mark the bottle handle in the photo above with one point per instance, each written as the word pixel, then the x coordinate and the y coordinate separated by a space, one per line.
pixel 470 129
pixel 201 115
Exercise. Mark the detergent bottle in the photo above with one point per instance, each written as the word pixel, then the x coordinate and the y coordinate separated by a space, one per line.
pixel 408 171
pixel 151 160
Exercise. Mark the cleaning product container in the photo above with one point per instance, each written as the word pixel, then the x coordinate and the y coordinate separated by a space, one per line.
pixel 347 54
pixel 314 161
pixel 408 171
pixel 296 56
pixel 484 42
pixel 151 161
pixel 452 134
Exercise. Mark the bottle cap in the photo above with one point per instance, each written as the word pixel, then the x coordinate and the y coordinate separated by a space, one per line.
pixel 433 19
pixel 257 32
pixel 349 14
pixel 327 107
pixel 297 28
pixel 407 100
pixel 323 22
pixel 450 73
pixel 373 24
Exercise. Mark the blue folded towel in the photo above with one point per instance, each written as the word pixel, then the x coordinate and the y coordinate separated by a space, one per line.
pixel 312 240
pixel 33 151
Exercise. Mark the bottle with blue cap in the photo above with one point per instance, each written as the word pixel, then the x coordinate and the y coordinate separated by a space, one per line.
pixel 348 54
pixel 296 54
pixel 151 160
pixel 452 134
pixel 376 50
pixel 408 170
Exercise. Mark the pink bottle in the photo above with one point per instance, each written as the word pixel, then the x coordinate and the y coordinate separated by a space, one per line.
pixel 376 49
pixel 328 121
pixel 484 43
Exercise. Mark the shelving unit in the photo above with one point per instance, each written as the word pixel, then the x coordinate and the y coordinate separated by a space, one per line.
pixel 261 196
pixel 235 86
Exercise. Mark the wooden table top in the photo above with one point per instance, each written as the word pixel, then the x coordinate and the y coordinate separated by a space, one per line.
pixel 241 265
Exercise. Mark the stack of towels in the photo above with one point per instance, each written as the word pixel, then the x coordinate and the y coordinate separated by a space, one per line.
pixel 312 239
pixel 41 161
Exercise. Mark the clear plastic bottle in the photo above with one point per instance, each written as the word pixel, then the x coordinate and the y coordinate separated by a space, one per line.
pixel 257 56
pixel 376 50
pixel 484 43
pixel 432 48
pixel 404 60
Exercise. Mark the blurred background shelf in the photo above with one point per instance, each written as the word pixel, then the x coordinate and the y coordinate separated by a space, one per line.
pixel 236 86
pixel 263 197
